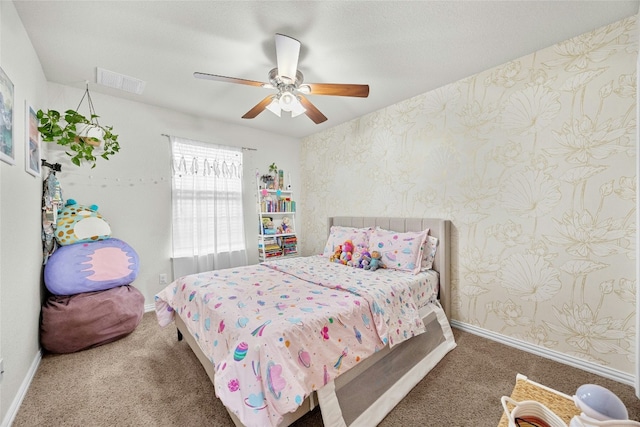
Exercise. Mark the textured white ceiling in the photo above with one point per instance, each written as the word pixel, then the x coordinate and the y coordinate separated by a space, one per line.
pixel 400 48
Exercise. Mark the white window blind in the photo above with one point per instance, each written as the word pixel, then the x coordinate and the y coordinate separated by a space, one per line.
pixel 207 214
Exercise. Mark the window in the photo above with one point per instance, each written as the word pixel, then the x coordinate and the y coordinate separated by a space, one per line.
pixel 207 216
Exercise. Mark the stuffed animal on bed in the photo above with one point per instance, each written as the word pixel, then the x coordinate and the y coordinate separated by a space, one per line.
pixel 356 257
pixel 376 261
pixel 347 251
pixel 336 254
pixel 365 258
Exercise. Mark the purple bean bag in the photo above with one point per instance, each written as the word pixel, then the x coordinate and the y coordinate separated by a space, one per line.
pixel 78 322
pixel 89 267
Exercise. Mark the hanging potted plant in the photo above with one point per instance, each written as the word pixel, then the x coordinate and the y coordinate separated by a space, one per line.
pixel 79 134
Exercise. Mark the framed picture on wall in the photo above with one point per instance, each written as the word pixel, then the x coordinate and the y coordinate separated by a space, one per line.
pixel 7 146
pixel 32 143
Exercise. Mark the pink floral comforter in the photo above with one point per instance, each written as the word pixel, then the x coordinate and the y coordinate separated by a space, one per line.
pixel 277 331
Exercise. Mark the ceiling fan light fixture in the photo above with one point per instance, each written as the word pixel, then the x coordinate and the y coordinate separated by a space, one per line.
pixel 274 107
pixel 288 101
pixel 306 89
pixel 297 109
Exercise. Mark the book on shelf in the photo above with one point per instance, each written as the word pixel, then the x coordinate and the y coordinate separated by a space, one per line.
pixel 281 205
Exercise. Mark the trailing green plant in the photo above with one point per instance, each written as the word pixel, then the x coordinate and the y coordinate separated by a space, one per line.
pixel 64 131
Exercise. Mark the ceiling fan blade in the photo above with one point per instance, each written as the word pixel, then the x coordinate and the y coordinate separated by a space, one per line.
pixel 287 52
pixel 311 111
pixel 227 79
pixel 336 89
pixel 259 108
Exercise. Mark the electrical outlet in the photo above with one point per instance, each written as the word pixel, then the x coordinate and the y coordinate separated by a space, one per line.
pixel 163 278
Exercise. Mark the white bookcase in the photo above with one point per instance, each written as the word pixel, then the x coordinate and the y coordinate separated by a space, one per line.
pixel 277 224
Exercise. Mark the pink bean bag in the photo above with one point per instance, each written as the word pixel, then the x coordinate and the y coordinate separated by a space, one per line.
pixel 77 322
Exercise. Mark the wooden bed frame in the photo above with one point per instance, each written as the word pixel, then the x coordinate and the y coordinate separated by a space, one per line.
pixel 348 381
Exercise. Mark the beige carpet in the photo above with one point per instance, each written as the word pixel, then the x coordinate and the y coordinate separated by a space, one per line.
pixel 151 379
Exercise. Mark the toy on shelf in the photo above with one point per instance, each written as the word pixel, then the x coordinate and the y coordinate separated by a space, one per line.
pixel 285 226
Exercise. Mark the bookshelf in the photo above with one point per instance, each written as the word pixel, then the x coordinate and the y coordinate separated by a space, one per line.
pixel 277 224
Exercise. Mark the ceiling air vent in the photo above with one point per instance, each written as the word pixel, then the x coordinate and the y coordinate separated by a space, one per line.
pixel 119 81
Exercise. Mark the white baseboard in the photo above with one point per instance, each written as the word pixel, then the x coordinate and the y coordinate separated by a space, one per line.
pixel 575 362
pixel 22 391
pixel 149 307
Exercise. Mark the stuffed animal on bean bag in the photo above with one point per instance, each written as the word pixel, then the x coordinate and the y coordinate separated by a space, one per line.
pixel 376 261
pixel 88 259
pixel 89 267
pixel 79 223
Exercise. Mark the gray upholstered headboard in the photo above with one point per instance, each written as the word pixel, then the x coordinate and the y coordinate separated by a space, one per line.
pixel 440 228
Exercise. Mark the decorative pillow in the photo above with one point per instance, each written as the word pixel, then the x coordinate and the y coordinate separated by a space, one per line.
pixel 429 252
pixel 339 234
pixel 400 251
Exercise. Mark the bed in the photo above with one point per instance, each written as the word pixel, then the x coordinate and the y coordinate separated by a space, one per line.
pixel 281 337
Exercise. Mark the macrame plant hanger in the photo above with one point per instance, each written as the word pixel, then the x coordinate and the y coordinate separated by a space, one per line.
pixel 93 117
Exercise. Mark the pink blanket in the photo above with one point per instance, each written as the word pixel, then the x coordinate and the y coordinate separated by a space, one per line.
pixel 277 331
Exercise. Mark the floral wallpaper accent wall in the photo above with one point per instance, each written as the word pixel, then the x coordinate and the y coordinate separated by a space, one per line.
pixel 534 162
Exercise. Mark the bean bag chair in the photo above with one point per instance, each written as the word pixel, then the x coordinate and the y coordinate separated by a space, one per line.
pixel 89 267
pixel 78 322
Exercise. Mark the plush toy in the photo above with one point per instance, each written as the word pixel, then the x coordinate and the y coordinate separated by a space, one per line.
pixel 336 254
pixel 347 252
pixel 365 260
pixel 356 257
pixel 267 226
pixel 285 226
pixel 376 261
pixel 79 224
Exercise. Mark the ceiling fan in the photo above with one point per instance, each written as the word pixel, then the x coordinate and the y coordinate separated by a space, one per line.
pixel 289 82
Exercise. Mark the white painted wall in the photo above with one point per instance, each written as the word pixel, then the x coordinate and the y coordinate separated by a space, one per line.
pixel 20 224
pixel 132 189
